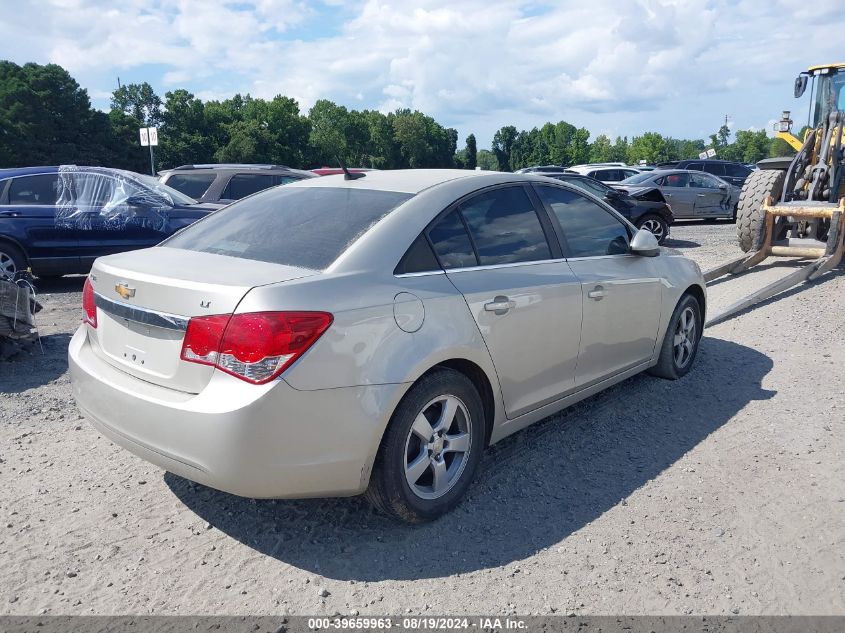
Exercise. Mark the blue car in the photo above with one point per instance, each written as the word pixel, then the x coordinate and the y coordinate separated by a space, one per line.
pixel 58 220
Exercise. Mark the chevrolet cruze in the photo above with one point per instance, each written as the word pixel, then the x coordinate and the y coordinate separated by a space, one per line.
pixel 374 333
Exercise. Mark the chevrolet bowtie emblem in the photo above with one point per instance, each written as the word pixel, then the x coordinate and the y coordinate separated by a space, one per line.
pixel 124 290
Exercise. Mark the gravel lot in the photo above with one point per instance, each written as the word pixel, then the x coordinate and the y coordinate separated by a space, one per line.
pixel 720 493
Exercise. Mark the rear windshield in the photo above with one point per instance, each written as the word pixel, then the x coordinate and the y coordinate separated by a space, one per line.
pixel 309 227
pixel 637 178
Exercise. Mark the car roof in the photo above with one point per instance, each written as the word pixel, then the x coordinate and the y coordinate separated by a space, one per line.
pixel 235 169
pixel 411 181
pixel 708 160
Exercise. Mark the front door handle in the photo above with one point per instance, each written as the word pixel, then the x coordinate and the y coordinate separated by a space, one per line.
pixel 597 293
pixel 699 195
pixel 500 305
pixel 10 214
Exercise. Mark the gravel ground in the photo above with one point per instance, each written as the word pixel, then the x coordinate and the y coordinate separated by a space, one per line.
pixel 721 493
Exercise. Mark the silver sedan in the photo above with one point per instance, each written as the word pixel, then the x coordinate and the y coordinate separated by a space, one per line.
pixel 690 194
pixel 374 334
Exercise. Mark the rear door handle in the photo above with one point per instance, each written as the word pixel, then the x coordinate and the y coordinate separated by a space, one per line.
pixel 500 305
pixel 699 195
pixel 597 293
pixel 10 214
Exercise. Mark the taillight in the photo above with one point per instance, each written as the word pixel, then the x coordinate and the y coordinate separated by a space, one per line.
pixel 256 346
pixel 89 306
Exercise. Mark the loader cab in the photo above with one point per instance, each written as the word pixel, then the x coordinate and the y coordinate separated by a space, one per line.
pixel 826 93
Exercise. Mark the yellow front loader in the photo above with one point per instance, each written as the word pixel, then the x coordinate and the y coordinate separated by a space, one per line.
pixel 795 206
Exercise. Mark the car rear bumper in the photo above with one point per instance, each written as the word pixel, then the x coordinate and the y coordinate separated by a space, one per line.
pixel 261 441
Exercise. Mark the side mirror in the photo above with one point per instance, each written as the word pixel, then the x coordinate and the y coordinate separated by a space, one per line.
pixel 800 85
pixel 723 187
pixel 644 244
pixel 613 194
pixel 136 201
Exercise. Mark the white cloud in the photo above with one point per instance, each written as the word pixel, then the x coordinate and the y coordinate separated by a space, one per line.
pixel 675 66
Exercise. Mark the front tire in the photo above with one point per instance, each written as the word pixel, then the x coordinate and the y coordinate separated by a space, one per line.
pixel 680 343
pixel 12 260
pixel 749 213
pixel 431 449
pixel 655 225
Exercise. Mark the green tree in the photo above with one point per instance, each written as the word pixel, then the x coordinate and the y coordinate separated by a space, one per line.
pixel 139 101
pixel 620 150
pixel 471 155
pixel 503 142
pixel 601 150
pixel 751 146
pixel 650 147
pixel 487 160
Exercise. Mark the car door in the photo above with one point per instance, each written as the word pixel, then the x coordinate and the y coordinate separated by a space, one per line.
pixel 710 195
pixel 28 208
pixel 621 292
pixel 502 255
pixel 674 188
pixel 112 214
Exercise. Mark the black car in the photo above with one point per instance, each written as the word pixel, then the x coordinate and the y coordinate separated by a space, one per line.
pixel 734 173
pixel 648 210
pixel 226 183
pixel 58 220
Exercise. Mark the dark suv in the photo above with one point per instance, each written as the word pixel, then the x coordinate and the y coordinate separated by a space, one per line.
pixel 226 183
pixel 734 173
pixel 58 220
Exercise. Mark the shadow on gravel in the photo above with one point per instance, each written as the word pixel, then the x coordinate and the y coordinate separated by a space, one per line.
pixel 535 487
pixel 671 242
pixel 30 368
pixel 59 285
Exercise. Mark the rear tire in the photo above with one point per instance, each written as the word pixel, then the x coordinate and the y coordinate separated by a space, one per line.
pixel 749 214
pixel 655 225
pixel 431 449
pixel 12 260
pixel 680 343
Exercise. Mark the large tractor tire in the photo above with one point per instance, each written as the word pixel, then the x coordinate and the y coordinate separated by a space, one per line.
pixel 749 214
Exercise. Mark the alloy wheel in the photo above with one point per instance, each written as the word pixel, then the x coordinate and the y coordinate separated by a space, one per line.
pixel 655 227
pixel 685 337
pixel 437 447
pixel 7 264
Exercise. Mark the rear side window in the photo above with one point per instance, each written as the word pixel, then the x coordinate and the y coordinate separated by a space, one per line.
pixel 737 171
pixel 34 190
pixel 590 230
pixel 504 227
pixel 451 242
pixel 309 227
pixel 243 185
pixel 194 185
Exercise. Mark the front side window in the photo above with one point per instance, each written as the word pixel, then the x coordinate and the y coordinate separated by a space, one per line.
pixel 703 181
pixel 590 230
pixel 674 180
pixel 504 227
pixel 308 227
pixel 589 185
pixel 34 190
pixel 695 166
pixel 194 185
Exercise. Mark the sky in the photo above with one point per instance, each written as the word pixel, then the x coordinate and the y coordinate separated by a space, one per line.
pixel 618 67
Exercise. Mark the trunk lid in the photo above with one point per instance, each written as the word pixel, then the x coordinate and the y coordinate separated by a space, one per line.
pixel 145 299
